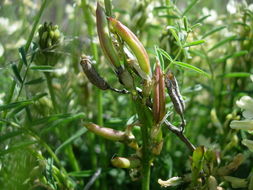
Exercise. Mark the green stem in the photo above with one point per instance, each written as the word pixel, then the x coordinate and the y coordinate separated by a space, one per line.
pixel 73 162
pixel 51 90
pixel 145 117
pixel 108 7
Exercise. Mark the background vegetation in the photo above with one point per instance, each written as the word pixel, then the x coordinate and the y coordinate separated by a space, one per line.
pixel 43 142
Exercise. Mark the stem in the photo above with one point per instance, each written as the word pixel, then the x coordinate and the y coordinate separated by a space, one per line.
pixel 180 134
pixel 51 90
pixel 108 7
pixel 145 117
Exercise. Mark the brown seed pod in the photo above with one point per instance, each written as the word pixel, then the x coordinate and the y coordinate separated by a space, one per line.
pixel 92 74
pixel 174 93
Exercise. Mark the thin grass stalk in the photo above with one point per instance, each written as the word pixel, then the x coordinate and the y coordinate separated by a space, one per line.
pixel 51 91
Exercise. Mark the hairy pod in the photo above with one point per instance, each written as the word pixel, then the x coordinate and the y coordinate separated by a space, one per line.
pixel 133 42
pixel 122 162
pixel 104 37
pixel 92 74
pixel 174 93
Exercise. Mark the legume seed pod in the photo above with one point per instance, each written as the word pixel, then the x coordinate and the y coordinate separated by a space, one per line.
pixel 92 74
pixel 108 133
pixel 174 93
pixel 122 162
pixel 133 42
pixel 104 37
pixel 159 94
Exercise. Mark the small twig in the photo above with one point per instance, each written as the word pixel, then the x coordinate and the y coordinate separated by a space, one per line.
pixel 93 179
pixel 180 134
pixel 123 91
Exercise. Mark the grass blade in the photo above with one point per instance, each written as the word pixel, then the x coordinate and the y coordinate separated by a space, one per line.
pixel 237 74
pixel 165 54
pixel 160 57
pixel 17 146
pixel 22 103
pixel 71 139
pixel 15 105
pixel 43 68
pixel 236 54
pixel 194 43
pixel 16 73
pixel 62 122
pixel 22 55
pixel 35 81
pixel 10 135
pixel 190 6
pixel 84 173
pixel 222 43
pixel 213 31
pixel 188 66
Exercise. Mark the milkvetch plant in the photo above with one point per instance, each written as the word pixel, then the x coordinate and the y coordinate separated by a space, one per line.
pixel 156 73
pixel 147 91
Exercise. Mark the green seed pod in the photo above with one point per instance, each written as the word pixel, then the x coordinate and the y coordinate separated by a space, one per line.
pixel 104 37
pixel 130 162
pixel 133 42
pixel 107 133
pixel 92 74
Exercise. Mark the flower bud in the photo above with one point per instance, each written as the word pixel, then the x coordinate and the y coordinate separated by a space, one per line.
pixel 133 42
pixel 104 38
pixel 49 36
pixel 130 162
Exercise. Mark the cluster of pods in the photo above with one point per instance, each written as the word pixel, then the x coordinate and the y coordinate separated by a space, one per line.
pixel 115 38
